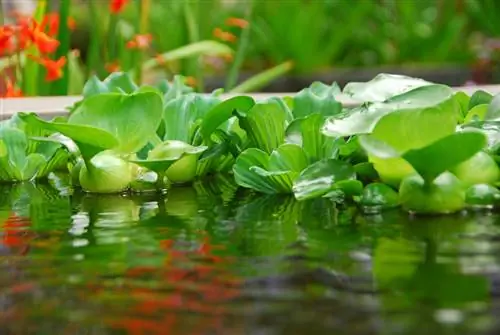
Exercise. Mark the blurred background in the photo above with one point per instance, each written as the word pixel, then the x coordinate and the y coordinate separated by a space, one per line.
pixel 275 45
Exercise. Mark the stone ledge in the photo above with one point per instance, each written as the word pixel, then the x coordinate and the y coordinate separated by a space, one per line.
pixel 54 106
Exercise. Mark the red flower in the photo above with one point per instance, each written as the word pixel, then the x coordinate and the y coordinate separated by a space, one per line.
pixel 190 81
pixel 112 67
pixel 50 24
pixel 224 35
pixel 44 42
pixel 53 67
pixel 237 22
pixel 140 42
pixel 6 33
pixel 116 6
pixel 11 91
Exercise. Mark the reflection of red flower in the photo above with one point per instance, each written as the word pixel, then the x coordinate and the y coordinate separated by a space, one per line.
pixel 197 282
pixel 13 230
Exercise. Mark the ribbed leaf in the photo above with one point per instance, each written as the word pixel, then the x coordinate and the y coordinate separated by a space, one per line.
pixel 265 125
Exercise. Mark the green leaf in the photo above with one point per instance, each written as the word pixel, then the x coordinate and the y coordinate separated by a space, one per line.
pixel 175 89
pixel 321 178
pixel 434 159
pixel 493 113
pixel 433 101
pixel 380 196
pixel 15 164
pixel 489 128
pixel 318 98
pixel 445 153
pixel 479 97
pixel 257 170
pixel 476 113
pixel 130 119
pixel 265 124
pixel 463 100
pixel 117 82
pixel 89 140
pixel 288 157
pixel 383 87
pixel 482 195
pixel 223 112
pixel 183 116
pixel 166 154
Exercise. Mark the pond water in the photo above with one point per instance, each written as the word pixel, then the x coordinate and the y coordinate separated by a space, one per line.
pixel 214 259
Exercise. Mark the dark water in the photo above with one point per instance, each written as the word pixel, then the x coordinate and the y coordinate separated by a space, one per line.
pixel 214 259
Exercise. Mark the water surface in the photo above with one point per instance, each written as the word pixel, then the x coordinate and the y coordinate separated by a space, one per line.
pixel 215 259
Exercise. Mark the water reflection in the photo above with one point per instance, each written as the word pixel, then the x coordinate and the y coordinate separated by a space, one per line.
pixel 215 259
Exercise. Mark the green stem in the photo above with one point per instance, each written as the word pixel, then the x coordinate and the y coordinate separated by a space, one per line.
pixel 112 45
pixel 31 68
pixel 242 47
pixel 194 36
pixel 61 86
pixel 94 63
pixel 262 79
pixel 160 184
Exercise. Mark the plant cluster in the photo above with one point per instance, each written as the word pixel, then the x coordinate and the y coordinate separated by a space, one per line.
pixel 38 55
pixel 409 142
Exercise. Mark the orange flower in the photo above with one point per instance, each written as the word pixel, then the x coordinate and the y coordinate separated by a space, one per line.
pixel 6 33
pixel 116 6
pixel 224 35
pixel 32 31
pixel 53 67
pixel 11 91
pixel 71 23
pixel 140 41
pixel 237 22
pixel 112 67
pixel 190 81
pixel 50 24
pixel 160 60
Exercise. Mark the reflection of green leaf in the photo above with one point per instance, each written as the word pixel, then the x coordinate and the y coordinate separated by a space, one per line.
pixel 270 174
pixel 323 177
pixel 380 196
pixel 270 224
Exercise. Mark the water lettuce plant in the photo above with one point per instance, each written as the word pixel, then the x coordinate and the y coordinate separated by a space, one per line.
pixel 409 142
